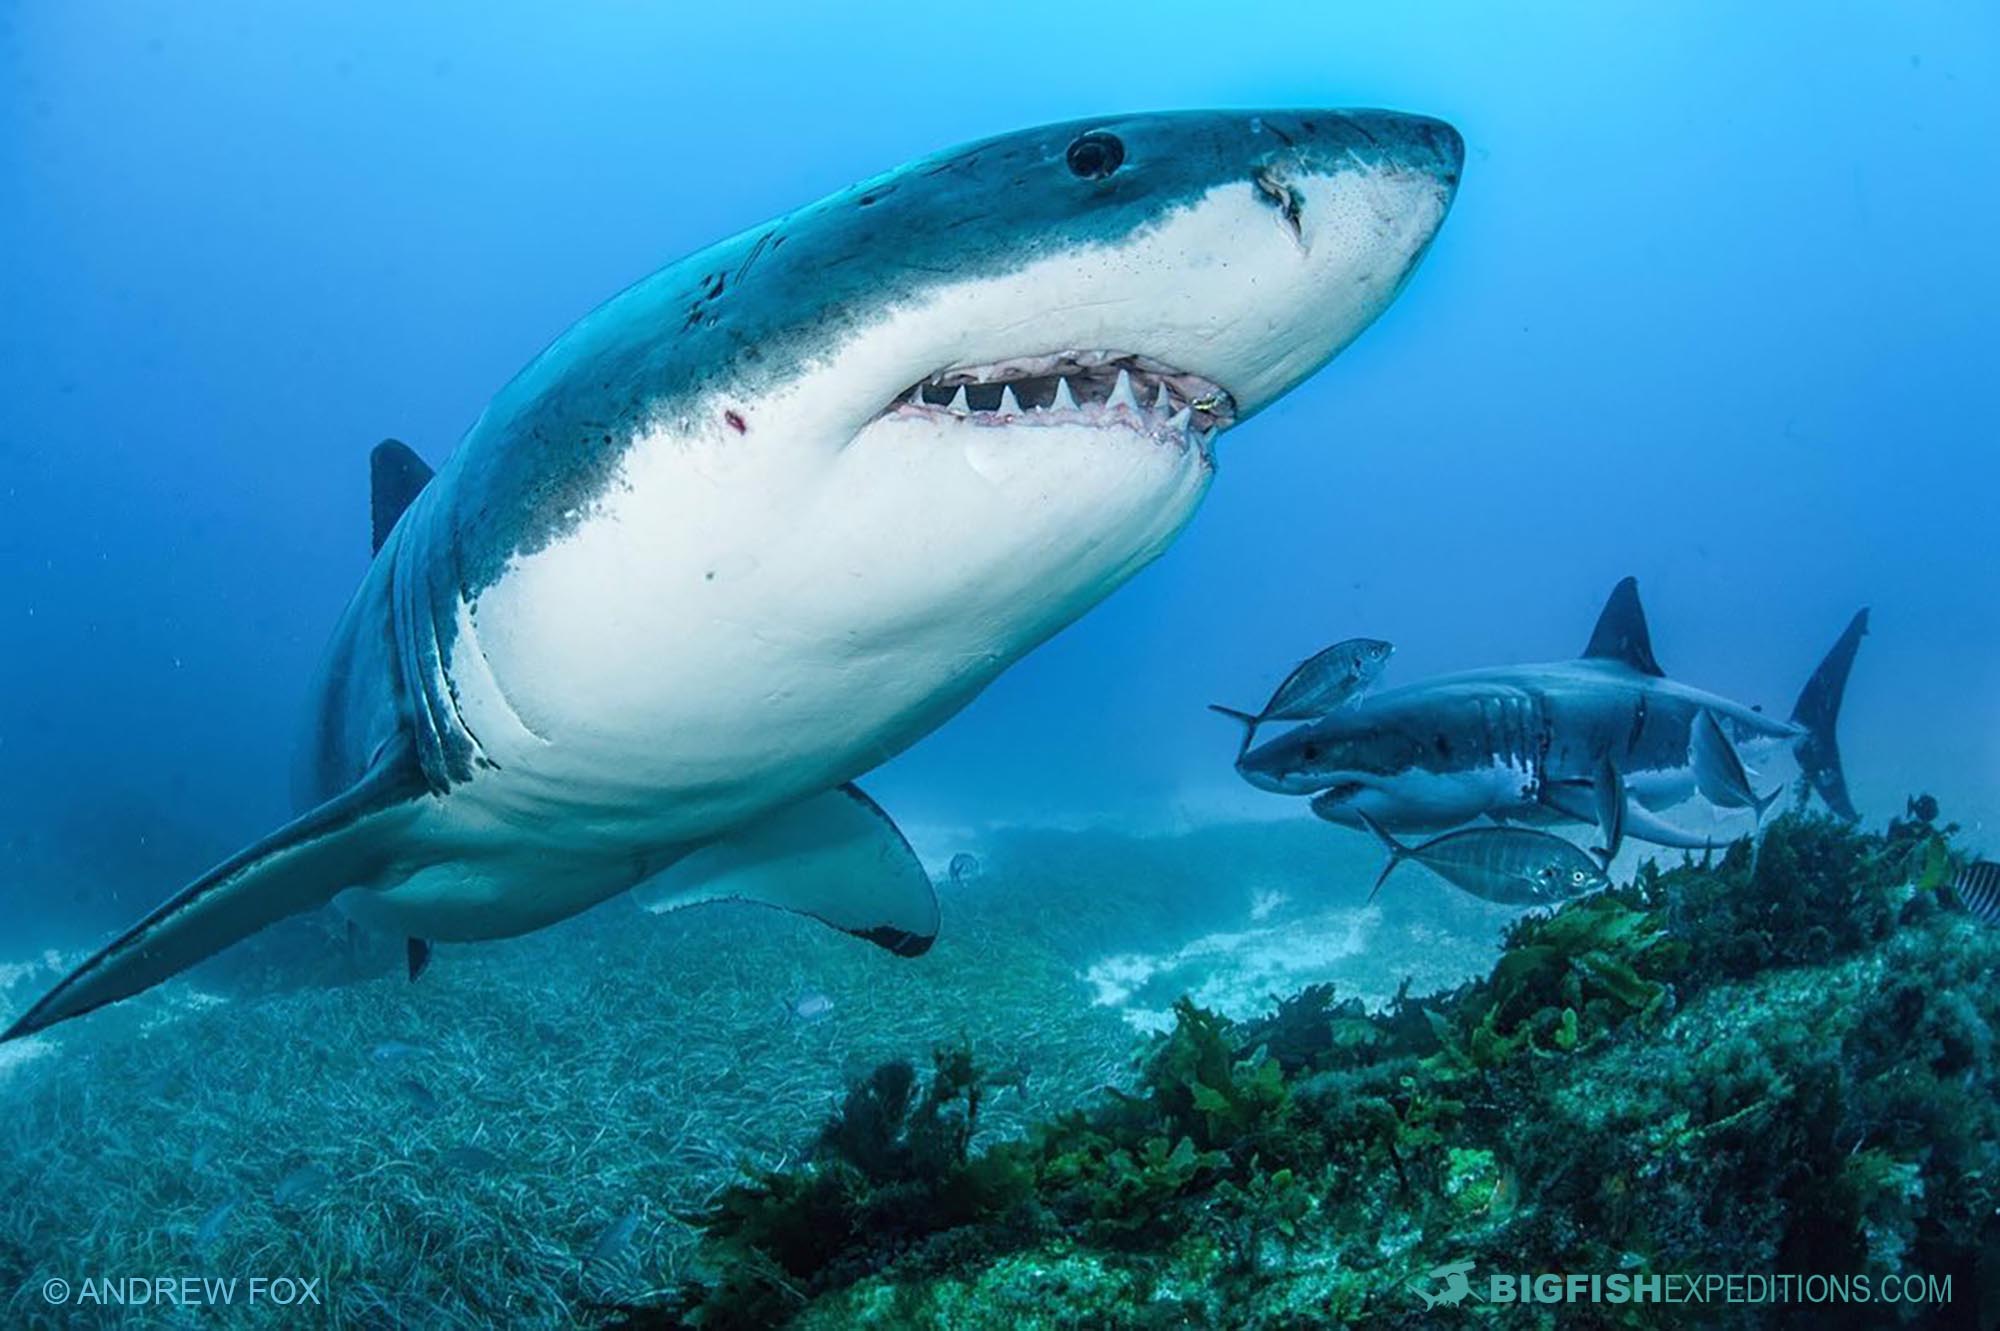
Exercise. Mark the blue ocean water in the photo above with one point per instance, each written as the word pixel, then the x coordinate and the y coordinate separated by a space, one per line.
pixel 1715 307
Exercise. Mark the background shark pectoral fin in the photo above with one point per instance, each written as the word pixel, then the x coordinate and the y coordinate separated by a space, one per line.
pixel 836 857
pixel 1611 802
pixel 1577 801
pixel 300 866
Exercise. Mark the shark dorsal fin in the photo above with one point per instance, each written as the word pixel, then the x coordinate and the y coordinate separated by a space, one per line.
pixel 396 475
pixel 1621 633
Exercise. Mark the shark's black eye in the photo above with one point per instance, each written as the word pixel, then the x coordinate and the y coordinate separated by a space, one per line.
pixel 1310 753
pixel 1096 155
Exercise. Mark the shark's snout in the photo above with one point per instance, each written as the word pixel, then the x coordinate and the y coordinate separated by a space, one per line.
pixel 1421 142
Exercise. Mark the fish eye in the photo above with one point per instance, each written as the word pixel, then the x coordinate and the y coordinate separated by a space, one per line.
pixel 1577 876
pixel 1310 753
pixel 1095 155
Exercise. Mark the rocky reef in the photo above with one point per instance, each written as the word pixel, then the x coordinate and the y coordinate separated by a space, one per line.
pixel 1779 1060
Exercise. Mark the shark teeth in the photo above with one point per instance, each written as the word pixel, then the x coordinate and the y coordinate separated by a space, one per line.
pixel 1121 393
pixel 1101 390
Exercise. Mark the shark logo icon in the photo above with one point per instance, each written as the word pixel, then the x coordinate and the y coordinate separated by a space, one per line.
pixel 1457 1286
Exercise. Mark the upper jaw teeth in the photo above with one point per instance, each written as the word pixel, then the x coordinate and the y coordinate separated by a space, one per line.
pixel 1093 388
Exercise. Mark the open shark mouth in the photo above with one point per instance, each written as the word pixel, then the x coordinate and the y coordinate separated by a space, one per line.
pixel 1100 389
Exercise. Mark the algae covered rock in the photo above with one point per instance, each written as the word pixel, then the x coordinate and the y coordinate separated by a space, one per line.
pixel 1779 1060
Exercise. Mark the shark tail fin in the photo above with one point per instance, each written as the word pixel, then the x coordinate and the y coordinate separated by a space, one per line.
pixel 1398 852
pixel 1817 711
pixel 1248 722
pixel 300 866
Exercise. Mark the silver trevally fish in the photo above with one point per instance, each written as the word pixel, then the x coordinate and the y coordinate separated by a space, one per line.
pixel 776 512
pixel 1718 769
pixel 1550 743
pixel 1514 866
pixel 1317 685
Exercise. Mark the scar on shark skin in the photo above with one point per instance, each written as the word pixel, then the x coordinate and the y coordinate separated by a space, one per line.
pixel 736 422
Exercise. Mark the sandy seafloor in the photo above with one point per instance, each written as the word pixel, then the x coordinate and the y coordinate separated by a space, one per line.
pixel 299 1108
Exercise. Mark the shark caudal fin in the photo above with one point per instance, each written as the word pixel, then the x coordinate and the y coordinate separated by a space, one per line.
pixel 300 866
pixel 1398 852
pixel 1248 722
pixel 1817 711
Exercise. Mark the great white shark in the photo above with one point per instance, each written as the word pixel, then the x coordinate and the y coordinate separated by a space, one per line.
pixel 1604 738
pixel 769 516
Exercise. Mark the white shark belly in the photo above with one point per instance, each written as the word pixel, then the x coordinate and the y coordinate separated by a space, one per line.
pixel 754 633
pixel 1424 801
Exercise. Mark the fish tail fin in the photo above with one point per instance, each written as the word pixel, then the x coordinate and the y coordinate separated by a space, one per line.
pixel 1398 852
pixel 1246 719
pixel 1817 711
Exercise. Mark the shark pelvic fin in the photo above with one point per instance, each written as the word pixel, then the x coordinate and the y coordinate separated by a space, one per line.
pixel 417 955
pixel 836 857
pixel 1621 634
pixel 396 476
pixel 301 865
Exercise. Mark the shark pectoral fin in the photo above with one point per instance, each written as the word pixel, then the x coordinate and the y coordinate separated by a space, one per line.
pixel 1643 825
pixel 1611 802
pixel 300 866
pixel 836 857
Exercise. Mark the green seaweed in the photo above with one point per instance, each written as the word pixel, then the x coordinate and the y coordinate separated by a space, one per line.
pixel 1780 1058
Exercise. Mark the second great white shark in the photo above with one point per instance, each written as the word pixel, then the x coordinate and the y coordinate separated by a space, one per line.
pixel 1534 743
pixel 765 519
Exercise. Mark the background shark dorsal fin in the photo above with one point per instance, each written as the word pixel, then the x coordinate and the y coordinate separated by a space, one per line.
pixel 396 475
pixel 1621 633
